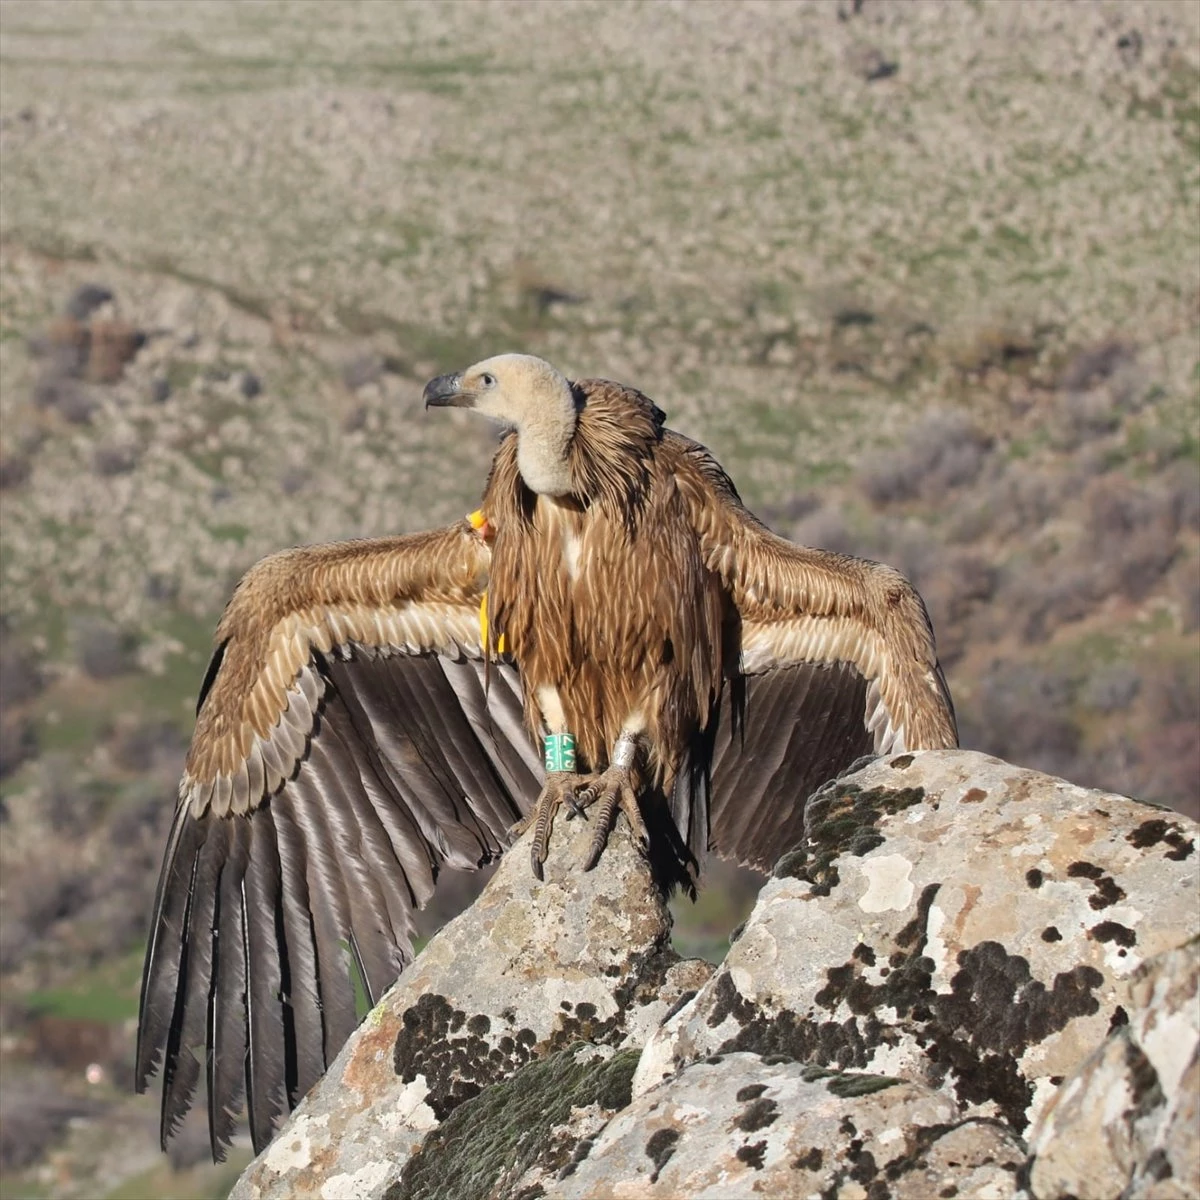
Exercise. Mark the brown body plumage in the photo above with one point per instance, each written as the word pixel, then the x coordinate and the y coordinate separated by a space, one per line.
pixel 354 734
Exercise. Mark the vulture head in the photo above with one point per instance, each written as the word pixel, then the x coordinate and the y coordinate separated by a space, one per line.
pixel 526 394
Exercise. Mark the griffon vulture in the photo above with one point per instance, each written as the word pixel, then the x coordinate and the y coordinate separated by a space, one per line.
pixel 375 710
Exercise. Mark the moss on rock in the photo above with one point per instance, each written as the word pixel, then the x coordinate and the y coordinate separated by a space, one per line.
pixel 493 1138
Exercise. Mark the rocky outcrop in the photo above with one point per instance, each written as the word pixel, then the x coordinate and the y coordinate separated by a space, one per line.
pixel 970 979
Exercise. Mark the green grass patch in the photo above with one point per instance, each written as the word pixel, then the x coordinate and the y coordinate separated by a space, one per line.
pixel 109 993
pixel 204 1182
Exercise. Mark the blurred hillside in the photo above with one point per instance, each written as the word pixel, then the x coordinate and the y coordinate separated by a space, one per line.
pixel 925 277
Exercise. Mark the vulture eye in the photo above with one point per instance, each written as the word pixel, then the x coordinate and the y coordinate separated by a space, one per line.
pixel 487 380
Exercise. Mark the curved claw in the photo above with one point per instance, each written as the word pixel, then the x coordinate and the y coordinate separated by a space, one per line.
pixel 614 789
pixel 559 789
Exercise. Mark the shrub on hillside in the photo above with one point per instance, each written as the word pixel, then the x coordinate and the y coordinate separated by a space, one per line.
pixel 104 650
pixel 940 452
pixel 20 672
pixel 18 741
pixel 1019 712
pixel 34 1111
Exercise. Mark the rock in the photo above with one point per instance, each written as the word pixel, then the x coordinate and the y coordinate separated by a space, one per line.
pixel 529 969
pixel 954 939
pixel 740 1126
pixel 952 920
pixel 1126 1122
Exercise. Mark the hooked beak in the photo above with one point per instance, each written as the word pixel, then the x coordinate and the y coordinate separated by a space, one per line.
pixel 443 392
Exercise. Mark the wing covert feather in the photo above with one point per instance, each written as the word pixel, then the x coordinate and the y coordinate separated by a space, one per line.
pixel 835 656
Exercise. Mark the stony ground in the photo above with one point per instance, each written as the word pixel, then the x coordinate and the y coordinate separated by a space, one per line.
pixel 925 276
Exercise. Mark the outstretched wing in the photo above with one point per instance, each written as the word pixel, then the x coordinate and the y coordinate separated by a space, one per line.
pixel 347 745
pixel 835 659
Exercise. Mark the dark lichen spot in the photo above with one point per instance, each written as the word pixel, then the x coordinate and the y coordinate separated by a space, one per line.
pixel 1084 870
pixel 809 1161
pixel 864 1168
pixel 974 796
pixel 841 818
pixel 1148 833
pixel 1181 848
pixel 751 1091
pixel 455 1066
pixel 1107 893
pixel 1034 878
pixel 948 1191
pixel 914 932
pixel 565 1005
pixel 526 1037
pixel 791 865
pixel 758 1115
pixel 479 1025
pixel 510 1126
pixel 996 1010
pixel 659 1149
pixel 1158 1165
pixel 1113 931
pixel 1051 934
pixel 901 761
pixel 1120 1017
pixel 864 954
pixel 753 1154
pixel 1145 1086
pixel 585 1011
pixel 728 1002
pixel 847 1127
pixel 851 1042
pixel 918 1140
pixel 683 1000
pixel 851 1084
pixel 581 1151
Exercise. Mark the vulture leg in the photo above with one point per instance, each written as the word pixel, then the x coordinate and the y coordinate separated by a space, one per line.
pixel 615 788
pixel 559 789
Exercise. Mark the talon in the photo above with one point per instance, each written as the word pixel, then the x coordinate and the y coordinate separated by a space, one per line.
pixel 559 789
pixel 614 789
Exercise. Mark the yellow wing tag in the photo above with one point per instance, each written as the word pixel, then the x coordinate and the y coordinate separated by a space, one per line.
pixel 479 522
pixel 483 626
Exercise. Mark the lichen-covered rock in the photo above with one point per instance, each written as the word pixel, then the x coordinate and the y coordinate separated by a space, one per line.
pixel 954 939
pixel 738 1126
pixel 952 920
pixel 530 968
pixel 1127 1123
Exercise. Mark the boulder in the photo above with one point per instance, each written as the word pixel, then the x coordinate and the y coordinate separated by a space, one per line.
pixel 1127 1121
pixel 969 979
pixel 952 920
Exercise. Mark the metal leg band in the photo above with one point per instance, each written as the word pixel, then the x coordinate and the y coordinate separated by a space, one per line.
pixel 625 751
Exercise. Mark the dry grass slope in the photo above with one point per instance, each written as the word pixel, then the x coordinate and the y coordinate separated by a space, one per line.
pixel 925 276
